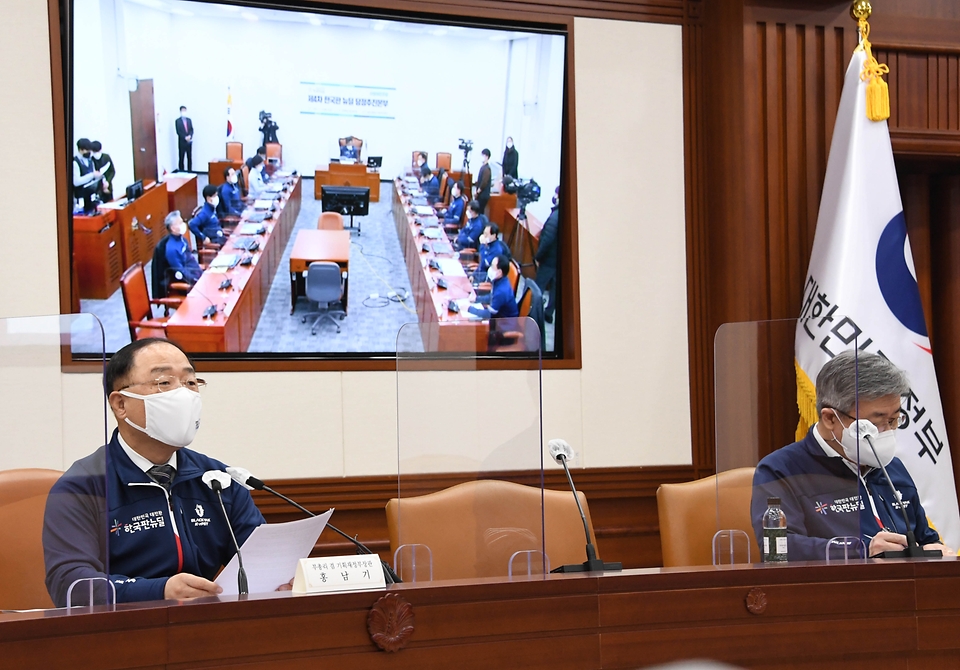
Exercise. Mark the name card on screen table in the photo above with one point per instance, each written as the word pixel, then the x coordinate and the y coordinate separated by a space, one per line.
pixel 336 574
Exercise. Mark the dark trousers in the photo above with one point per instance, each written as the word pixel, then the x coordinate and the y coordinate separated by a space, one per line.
pixel 547 281
pixel 483 197
pixel 186 149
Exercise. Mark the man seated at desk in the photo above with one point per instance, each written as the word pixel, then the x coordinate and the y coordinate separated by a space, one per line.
pixel 181 261
pixel 815 477
pixel 472 228
pixel 422 160
pixel 347 150
pixel 453 213
pixel 491 246
pixel 261 152
pixel 256 186
pixel 138 506
pixel 231 201
pixel 503 304
pixel 429 184
pixel 205 225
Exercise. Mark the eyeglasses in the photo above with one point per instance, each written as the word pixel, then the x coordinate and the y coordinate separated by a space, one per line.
pixel 169 383
pixel 890 424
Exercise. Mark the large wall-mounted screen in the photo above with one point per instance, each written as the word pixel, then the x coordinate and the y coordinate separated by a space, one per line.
pixel 224 124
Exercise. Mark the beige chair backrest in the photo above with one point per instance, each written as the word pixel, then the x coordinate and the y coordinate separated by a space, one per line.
pixel 689 519
pixel 473 528
pixel 23 498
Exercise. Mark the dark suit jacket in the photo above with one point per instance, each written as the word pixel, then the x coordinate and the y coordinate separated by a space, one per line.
pixel 483 180
pixel 184 127
pixel 547 250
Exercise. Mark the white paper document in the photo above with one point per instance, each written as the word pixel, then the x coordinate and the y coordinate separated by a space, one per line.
pixel 450 267
pixel 271 554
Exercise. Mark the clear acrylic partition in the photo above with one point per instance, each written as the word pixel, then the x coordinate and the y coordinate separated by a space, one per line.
pixel 470 455
pixel 758 414
pixel 51 418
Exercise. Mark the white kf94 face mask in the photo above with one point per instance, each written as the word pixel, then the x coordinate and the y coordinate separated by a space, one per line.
pixel 884 443
pixel 172 417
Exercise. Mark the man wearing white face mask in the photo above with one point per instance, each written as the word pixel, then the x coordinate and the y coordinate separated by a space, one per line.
pixel 136 511
pixel 831 483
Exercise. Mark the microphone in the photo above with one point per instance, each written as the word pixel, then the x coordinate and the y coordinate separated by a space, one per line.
pixel 913 549
pixel 243 477
pixel 218 480
pixel 561 453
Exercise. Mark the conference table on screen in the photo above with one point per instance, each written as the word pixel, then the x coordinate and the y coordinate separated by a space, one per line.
pixel 885 612
pixel 455 331
pixel 239 306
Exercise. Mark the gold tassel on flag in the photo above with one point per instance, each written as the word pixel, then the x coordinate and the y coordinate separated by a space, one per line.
pixel 806 402
pixel 878 95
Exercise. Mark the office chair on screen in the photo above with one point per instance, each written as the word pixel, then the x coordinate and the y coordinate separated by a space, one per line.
pixel 473 529
pixel 324 287
pixel 23 498
pixel 444 161
pixel 139 305
pixel 235 151
pixel 330 221
pixel 689 515
pixel 357 142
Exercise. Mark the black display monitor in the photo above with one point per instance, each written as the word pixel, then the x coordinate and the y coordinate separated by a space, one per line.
pixel 347 200
pixel 135 190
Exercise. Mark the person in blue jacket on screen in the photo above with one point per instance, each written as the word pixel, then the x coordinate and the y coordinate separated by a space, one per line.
pixel 830 483
pixel 136 511
pixel 205 225
pixel 177 252
pixel 348 150
pixel 453 213
pixel 429 184
pixel 503 303
pixel 231 200
pixel 469 235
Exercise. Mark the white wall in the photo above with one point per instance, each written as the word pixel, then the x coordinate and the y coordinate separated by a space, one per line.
pixel 632 296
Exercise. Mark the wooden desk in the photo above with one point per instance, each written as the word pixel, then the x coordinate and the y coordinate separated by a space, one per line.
pixel 344 174
pixel 443 330
pixel 497 207
pixel 182 194
pixel 140 222
pixel 318 245
pixel 239 307
pixel 798 617
pixel 523 238
pixel 97 254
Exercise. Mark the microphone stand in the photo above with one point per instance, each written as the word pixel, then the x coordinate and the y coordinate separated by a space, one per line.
pixel 241 573
pixel 913 550
pixel 388 572
pixel 592 564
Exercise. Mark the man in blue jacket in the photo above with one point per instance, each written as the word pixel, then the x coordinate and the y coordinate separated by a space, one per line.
pixel 491 246
pixel 830 484
pixel 177 252
pixel 231 200
pixel 205 225
pixel 503 303
pixel 136 511
pixel 429 184
pixel 469 235
pixel 453 213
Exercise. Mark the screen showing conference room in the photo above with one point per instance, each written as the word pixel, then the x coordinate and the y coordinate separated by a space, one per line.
pixel 399 86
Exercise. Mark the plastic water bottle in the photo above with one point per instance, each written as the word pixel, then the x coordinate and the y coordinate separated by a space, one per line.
pixel 774 533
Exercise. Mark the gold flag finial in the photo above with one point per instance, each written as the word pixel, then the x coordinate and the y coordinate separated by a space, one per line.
pixel 878 96
pixel 860 9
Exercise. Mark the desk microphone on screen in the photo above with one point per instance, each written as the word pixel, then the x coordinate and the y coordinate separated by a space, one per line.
pixel 218 480
pixel 561 453
pixel 913 550
pixel 243 477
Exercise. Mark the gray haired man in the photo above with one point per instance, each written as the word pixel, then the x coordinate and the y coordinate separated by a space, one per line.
pixel 830 483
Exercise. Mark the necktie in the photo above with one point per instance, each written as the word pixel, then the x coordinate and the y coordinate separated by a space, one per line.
pixel 163 475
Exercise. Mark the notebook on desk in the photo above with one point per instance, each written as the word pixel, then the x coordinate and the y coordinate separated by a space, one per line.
pixel 432 233
pixel 262 204
pixel 442 248
pixel 256 217
pixel 252 229
pixel 423 210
